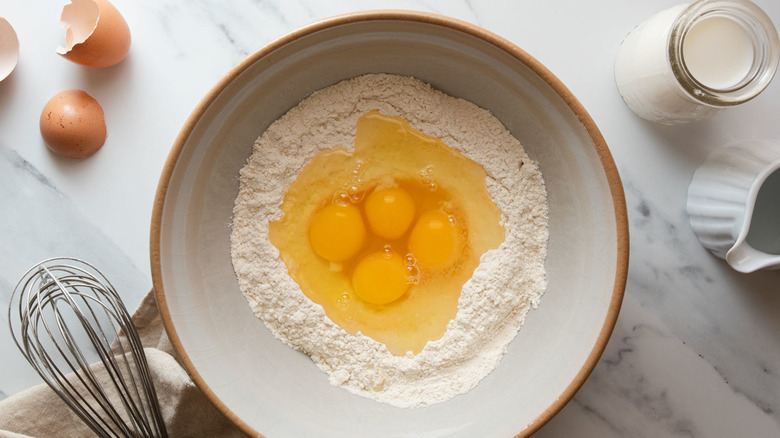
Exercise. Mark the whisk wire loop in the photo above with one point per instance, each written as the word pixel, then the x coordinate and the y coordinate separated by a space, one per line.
pixel 84 373
pixel 73 328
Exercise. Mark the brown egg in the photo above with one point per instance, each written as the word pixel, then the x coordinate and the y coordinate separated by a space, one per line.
pixel 96 34
pixel 72 124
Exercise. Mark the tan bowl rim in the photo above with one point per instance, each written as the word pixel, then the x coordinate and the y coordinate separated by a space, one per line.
pixel 610 169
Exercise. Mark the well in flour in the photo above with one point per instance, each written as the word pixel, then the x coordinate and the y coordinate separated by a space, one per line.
pixel 493 303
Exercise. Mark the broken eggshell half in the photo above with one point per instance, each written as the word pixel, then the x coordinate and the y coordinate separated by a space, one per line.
pixel 9 48
pixel 96 34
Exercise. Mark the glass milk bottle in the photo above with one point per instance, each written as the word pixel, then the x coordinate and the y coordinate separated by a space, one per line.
pixel 691 61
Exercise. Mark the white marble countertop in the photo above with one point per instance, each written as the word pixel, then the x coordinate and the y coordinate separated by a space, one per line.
pixel 696 349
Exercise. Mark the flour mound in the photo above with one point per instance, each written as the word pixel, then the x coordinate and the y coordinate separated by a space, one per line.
pixel 493 303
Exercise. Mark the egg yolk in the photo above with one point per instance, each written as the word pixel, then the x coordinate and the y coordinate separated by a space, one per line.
pixel 435 239
pixel 384 237
pixel 380 277
pixel 389 212
pixel 337 232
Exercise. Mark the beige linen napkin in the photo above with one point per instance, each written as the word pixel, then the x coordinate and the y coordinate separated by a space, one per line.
pixel 39 412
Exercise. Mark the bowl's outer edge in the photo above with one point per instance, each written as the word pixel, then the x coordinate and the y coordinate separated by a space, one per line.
pixel 608 163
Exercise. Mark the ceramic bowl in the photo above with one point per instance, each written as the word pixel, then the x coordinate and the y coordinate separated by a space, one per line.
pixel 268 389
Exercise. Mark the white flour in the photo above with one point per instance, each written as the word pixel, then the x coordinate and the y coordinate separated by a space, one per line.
pixel 492 306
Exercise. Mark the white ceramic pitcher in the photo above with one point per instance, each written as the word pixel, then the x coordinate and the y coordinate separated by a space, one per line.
pixel 734 204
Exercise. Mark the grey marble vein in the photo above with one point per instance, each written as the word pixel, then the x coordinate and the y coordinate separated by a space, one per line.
pixel 643 387
pixel 37 222
pixel 708 308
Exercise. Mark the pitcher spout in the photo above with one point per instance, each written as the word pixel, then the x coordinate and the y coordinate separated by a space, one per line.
pixel 746 259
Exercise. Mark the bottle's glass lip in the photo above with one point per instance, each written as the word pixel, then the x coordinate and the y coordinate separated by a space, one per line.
pixel 765 43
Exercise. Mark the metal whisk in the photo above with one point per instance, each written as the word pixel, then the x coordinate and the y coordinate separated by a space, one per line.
pixel 73 328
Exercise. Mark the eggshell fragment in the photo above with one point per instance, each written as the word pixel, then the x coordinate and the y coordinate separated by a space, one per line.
pixel 72 124
pixel 9 48
pixel 96 34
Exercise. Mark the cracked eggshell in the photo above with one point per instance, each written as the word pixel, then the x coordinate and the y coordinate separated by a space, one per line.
pixel 72 124
pixel 9 48
pixel 96 34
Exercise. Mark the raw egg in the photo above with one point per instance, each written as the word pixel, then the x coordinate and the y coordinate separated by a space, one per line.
pixel 72 124
pixel 380 277
pixel 384 237
pixel 389 212
pixel 96 34
pixel 337 232
pixel 435 239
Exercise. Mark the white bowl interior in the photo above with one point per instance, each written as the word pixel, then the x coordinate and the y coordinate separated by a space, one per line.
pixel 279 392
